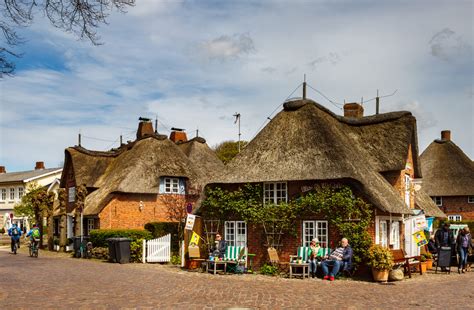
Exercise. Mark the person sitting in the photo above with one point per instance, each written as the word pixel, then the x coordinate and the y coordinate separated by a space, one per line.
pixel 219 248
pixel 340 257
pixel 312 254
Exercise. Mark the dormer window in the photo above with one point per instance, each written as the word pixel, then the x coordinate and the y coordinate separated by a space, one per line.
pixel 438 201
pixel 171 185
pixel 275 193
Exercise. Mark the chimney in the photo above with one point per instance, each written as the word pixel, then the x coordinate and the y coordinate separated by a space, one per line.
pixel 353 110
pixel 39 165
pixel 145 128
pixel 2 169
pixel 178 135
pixel 446 135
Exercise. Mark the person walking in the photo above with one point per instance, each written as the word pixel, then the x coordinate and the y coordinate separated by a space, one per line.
pixel 463 243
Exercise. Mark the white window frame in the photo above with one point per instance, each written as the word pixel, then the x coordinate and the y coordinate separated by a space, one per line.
pixel 391 240
pixel 12 193
pixel 235 233
pixel 395 234
pixel 438 200
pixel 171 185
pixel 407 190
pixel 3 195
pixel 89 225
pixel 455 217
pixel 315 229
pixel 275 192
pixel 470 199
pixel 383 233
pixel 71 194
pixel 21 192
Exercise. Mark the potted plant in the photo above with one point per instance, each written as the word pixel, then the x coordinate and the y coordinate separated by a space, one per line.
pixel 380 259
pixel 69 245
pixel 56 244
pixel 429 260
pixel 423 263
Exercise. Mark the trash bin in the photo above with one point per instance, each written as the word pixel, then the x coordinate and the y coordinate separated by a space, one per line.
pixel 112 252
pixel 77 245
pixel 122 250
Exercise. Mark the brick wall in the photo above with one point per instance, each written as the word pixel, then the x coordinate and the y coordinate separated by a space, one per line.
pixel 124 210
pixel 458 205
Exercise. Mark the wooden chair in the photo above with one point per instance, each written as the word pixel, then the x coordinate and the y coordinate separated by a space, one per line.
pixel 275 260
pixel 407 262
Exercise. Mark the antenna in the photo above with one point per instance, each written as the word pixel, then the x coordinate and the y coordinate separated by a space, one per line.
pixel 79 138
pixel 237 119
pixel 197 132
pixel 377 102
pixel 304 87
pixel 121 140
pixel 156 124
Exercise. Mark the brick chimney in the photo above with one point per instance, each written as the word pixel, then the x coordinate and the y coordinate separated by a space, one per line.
pixel 353 110
pixel 446 135
pixel 145 128
pixel 39 165
pixel 2 169
pixel 178 135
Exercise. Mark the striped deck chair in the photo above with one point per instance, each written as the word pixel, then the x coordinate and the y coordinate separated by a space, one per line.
pixel 236 256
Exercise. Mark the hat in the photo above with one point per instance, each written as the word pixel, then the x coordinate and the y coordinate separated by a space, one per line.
pixel 315 240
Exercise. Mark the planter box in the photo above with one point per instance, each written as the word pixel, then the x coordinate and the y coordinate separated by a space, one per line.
pixel 423 266
pixel 429 264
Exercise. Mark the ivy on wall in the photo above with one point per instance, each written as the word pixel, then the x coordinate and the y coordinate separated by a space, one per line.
pixel 350 215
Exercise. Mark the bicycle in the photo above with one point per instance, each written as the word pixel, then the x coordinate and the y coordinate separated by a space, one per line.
pixel 33 248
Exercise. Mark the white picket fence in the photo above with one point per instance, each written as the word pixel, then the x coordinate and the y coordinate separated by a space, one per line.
pixel 157 250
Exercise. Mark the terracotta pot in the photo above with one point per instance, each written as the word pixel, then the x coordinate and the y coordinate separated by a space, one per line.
pixel 192 264
pixel 380 275
pixel 429 264
pixel 423 266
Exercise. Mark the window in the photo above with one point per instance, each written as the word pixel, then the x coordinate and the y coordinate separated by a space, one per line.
pixel 315 229
pixel 470 199
pixel 72 194
pixel 90 225
pixel 172 185
pixel 383 237
pixel 395 235
pixel 4 194
pixel 407 189
pixel 438 201
pixel 236 233
pixel 455 218
pixel 20 192
pixel 12 193
pixel 275 192
pixel 387 231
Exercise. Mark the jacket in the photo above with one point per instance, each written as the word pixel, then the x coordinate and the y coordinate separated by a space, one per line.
pixel 459 242
pixel 439 238
pixel 10 232
pixel 347 257
pixel 221 248
pixel 30 233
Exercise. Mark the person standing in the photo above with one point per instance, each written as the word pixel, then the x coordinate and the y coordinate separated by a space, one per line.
pixel 463 243
pixel 444 237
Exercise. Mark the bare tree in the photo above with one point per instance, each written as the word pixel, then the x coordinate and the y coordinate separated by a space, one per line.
pixel 81 17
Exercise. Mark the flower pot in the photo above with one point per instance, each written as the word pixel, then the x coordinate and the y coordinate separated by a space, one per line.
pixel 429 264
pixel 380 275
pixel 56 247
pixel 422 266
pixel 192 264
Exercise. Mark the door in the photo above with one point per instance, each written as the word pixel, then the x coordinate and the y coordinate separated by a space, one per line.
pixel 411 248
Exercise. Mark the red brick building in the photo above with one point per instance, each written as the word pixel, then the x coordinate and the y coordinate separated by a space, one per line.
pixel 448 177
pixel 140 182
pixel 306 145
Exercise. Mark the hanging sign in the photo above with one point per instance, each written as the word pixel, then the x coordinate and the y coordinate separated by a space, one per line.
pixel 194 239
pixel 420 223
pixel 190 221
pixel 420 238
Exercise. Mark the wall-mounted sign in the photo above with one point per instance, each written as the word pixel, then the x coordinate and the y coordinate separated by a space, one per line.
pixel 190 221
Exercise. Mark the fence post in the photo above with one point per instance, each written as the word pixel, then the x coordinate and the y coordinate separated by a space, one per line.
pixel 144 251
pixel 182 254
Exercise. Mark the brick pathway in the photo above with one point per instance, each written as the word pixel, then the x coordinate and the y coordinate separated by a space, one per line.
pixel 61 282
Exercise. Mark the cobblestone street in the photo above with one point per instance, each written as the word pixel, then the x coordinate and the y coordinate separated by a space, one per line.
pixel 56 281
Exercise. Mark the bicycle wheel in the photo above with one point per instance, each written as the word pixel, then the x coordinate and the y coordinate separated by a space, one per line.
pixel 30 250
pixel 35 252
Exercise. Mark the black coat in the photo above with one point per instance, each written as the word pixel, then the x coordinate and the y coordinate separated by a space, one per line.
pixel 219 248
pixel 439 238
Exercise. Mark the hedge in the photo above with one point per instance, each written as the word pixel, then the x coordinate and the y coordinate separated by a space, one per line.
pixel 159 229
pixel 99 237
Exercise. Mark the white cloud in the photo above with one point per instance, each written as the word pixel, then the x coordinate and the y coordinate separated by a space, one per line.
pixel 228 47
pixel 449 46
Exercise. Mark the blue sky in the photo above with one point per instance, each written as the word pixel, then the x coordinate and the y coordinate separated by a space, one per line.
pixel 193 64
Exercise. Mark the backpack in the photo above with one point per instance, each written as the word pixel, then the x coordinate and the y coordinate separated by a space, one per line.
pixel 15 231
pixel 35 233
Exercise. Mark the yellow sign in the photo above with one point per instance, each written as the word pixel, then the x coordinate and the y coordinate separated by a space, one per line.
pixel 194 239
pixel 420 238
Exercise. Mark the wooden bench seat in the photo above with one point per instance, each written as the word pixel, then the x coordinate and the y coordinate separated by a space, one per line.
pixel 400 259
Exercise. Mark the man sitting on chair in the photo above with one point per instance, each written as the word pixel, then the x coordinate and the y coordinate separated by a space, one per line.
pixel 340 257
pixel 219 247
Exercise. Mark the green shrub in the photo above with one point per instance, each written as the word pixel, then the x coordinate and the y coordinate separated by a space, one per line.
pixel 136 250
pixel 380 258
pixel 99 237
pixel 159 229
pixel 268 270
pixel 175 260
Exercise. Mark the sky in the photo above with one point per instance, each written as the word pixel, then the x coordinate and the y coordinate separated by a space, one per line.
pixel 193 64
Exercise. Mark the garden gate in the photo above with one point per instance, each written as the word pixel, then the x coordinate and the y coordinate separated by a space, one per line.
pixel 157 250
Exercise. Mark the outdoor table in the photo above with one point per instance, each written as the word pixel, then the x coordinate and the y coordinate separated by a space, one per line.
pixel 303 266
pixel 217 262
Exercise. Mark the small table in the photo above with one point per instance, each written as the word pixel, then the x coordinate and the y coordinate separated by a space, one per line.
pixel 303 266
pixel 217 262
pixel 251 256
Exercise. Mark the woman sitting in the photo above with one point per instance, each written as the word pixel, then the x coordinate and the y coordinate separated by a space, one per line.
pixel 312 254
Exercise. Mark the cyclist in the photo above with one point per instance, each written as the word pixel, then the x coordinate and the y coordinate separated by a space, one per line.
pixel 14 232
pixel 34 235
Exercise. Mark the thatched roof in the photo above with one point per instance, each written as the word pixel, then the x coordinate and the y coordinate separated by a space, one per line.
pixel 306 141
pixel 425 203
pixel 138 166
pixel 205 160
pixel 447 170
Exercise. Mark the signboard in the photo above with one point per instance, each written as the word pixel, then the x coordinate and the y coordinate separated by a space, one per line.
pixel 189 207
pixel 194 239
pixel 444 257
pixel 190 221
pixel 420 223
pixel 420 238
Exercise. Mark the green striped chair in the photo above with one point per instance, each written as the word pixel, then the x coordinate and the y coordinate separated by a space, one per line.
pixel 303 251
pixel 237 255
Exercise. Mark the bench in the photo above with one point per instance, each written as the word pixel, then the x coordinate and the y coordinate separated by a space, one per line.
pixel 236 256
pixel 300 260
pixel 400 259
